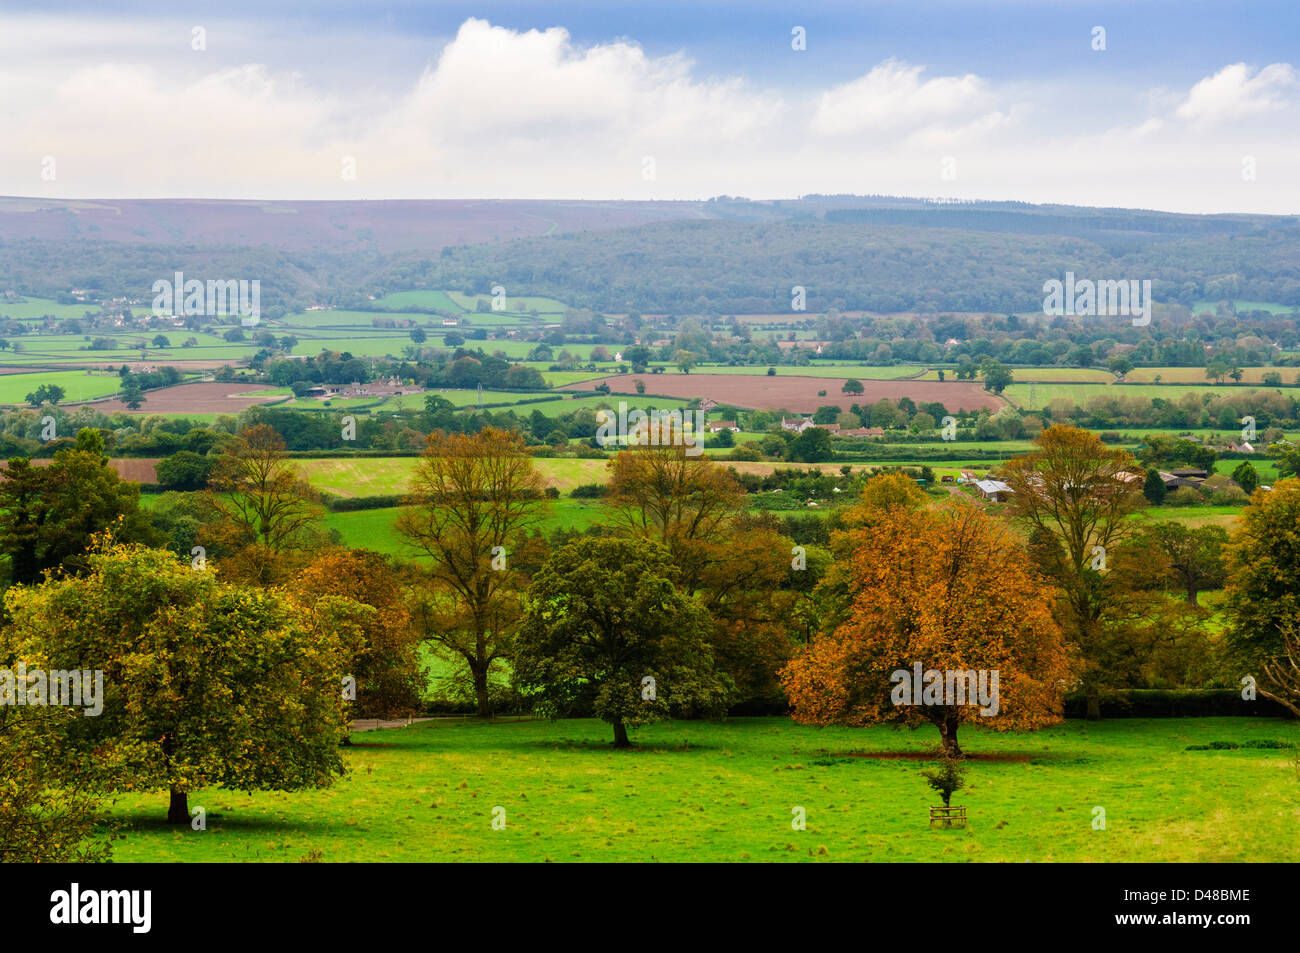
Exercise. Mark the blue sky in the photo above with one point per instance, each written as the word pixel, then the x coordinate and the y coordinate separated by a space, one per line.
pixel 1191 106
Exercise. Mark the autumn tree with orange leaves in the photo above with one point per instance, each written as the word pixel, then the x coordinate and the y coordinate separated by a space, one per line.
pixel 383 656
pixel 947 588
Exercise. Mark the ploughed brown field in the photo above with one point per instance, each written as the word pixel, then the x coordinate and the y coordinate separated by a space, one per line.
pixel 797 394
pixel 135 469
pixel 207 398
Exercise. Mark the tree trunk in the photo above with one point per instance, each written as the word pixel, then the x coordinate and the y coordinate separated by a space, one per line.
pixel 620 735
pixel 178 811
pixel 1093 700
pixel 1192 592
pixel 948 731
pixel 481 693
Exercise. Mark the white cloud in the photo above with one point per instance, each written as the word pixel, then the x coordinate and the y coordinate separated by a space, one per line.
pixel 495 112
pixel 1233 93
pixel 893 97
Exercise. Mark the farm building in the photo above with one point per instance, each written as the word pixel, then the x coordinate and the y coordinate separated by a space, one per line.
pixel 995 491
pixel 801 424
pixel 1173 479
pixel 717 426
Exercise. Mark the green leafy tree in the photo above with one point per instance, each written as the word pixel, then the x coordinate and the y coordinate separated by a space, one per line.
pixel 604 616
pixel 1190 558
pixel 48 515
pixel 811 446
pixel 266 515
pixel 1247 477
pixel 1288 462
pixel 997 376
pixel 1263 589
pixel 852 387
pixel 1153 488
pixel 204 684
pixel 1119 366
pixel 1075 495
pixel 473 497
pixel 45 394
pixel 946 780
pixel 185 470
pixel 43 819
pixel 131 393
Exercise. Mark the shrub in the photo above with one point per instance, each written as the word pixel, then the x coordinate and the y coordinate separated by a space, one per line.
pixel 1229 496
pixel 1184 496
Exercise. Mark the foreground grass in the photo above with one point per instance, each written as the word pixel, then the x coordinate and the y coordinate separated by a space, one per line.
pixel 724 791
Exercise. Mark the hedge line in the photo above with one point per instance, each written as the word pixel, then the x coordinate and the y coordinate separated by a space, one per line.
pixel 1182 703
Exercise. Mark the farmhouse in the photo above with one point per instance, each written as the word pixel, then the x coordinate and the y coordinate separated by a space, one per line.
pixel 797 426
pixel 801 424
pixel 717 426
pixel 384 387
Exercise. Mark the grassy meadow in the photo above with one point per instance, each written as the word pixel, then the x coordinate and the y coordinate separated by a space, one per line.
pixel 725 791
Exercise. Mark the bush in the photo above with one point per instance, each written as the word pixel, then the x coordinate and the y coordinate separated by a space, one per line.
pixel 745 453
pixel 1267 744
pixel 1184 496
pixel 185 470
pixel 1229 496
pixel 589 491
pixel 346 504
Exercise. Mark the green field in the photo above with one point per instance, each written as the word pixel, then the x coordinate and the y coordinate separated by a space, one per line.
pixel 78 385
pixel 1196 375
pixel 1242 306
pixel 383 476
pixel 518 305
pixel 436 300
pixel 374 529
pixel 32 309
pixel 702 791
pixel 1043 394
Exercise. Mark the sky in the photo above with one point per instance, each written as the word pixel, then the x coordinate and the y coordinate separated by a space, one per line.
pixel 1186 106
